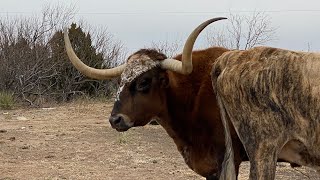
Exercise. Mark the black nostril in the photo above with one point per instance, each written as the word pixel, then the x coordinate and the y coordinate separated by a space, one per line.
pixel 115 120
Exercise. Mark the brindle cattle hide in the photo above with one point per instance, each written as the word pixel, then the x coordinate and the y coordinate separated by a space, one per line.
pixel 272 98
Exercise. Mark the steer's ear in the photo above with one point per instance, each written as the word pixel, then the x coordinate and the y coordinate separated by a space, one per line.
pixel 164 80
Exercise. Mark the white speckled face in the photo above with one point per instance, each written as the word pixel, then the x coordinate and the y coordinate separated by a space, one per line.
pixel 136 65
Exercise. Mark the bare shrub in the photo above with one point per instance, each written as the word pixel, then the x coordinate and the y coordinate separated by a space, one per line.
pixel 170 49
pixel 243 32
pixel 34 72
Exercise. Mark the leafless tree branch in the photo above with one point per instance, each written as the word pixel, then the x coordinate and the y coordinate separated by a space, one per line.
pixel 243 32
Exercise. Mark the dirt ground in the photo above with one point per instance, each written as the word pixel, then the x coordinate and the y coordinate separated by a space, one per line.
pixel 75 141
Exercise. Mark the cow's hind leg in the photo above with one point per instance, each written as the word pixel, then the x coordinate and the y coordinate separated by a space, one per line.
pixel 263 161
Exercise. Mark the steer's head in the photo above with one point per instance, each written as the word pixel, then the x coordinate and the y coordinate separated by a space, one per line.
pixel 141 95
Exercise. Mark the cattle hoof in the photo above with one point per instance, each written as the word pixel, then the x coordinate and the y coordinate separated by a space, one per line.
pixel 212 177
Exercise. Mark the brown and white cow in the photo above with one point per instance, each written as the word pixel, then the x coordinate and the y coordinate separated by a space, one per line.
pixel 178 93
pixel 272 98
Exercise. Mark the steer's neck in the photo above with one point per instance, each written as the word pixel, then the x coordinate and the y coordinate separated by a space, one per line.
pixel 176 118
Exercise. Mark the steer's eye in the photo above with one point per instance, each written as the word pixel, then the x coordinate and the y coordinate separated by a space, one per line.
pixel 144 85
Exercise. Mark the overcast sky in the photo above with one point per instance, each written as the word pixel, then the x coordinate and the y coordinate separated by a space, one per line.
pixel 139 22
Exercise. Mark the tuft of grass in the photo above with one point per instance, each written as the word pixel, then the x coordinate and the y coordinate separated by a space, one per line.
pixel 123 137
pixel 6 100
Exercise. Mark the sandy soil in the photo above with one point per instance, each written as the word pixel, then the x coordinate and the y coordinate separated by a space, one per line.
pixel 75 141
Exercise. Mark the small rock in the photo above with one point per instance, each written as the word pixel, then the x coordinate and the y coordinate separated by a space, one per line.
pixel 48 108
pixel 25 147
pixel 62 134
pixel 49 156
pixel 3 131
pixel 62 177
pixel 21 118
pixel 154 161
pixel 12 138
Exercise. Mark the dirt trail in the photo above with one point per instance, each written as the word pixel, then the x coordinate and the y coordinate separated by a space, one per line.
pixel 75 141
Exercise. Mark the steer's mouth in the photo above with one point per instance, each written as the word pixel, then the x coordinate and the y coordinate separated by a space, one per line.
pixel 121 129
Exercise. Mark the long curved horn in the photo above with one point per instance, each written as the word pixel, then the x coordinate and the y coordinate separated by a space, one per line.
pixel 94 73
pixel 185 66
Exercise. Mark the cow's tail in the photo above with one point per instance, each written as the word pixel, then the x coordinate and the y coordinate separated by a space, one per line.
pixel 228 170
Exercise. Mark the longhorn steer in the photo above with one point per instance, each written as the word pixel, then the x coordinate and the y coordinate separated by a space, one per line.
pixel 178 93
pixel 272 98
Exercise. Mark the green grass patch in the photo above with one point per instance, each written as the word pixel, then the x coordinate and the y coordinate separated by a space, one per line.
pixel 6 100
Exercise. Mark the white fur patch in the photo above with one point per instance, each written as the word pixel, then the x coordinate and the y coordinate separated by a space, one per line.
pixel 136 65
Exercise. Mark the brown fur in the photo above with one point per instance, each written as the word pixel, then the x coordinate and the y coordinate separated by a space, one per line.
pixel 271 96
pixel 186 107
pixel 197 120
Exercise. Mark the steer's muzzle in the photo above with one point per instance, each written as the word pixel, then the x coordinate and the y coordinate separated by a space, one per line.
pixel 119 122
